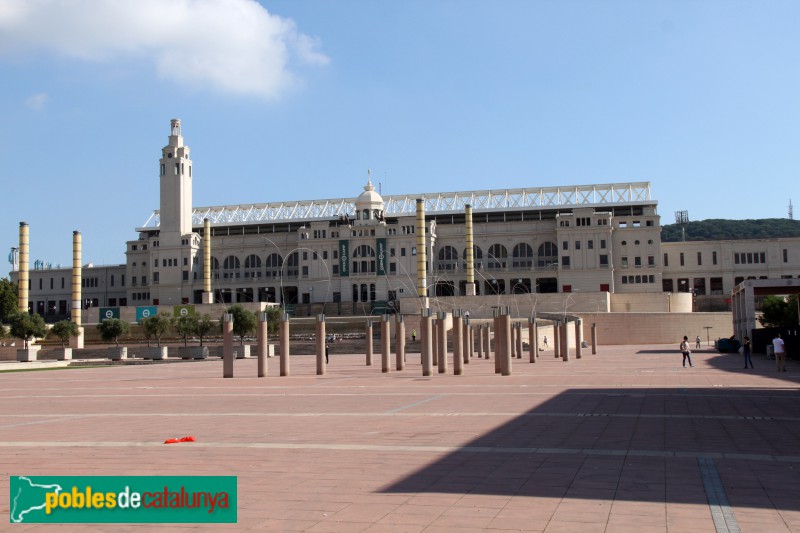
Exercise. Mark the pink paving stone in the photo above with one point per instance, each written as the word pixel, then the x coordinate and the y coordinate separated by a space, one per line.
pixel 358 450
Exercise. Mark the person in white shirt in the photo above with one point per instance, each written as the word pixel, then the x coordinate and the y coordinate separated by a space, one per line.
pixel 780 352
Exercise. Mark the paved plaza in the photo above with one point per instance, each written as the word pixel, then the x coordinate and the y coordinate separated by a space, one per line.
pixel 626 440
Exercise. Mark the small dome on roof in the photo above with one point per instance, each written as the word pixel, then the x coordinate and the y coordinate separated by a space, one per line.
pixel 369 199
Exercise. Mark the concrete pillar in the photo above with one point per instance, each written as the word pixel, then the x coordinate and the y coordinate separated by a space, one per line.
pixel 518 326
pixel 487 340
pixel 400 342
pixel 426 342
pixel 499 350
pixel 23 274
pixel 465 344
pixel 578 338
pixel 208 296
pixel 284 333
pixel 422 278
pixel 385 343
pixel 368 342
pixel 564 340
pixel 594 337
pixel 321 345
pixel 77 298
pixel 458 344
pixel 263 343
pixel 480 341
pixel 469 288
pixel 533 339
pixel 435 340
pixel 505 367
pixel 556 339
pixel 441 339
pixel 227 345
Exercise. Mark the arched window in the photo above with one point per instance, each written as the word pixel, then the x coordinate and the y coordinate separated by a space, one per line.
pixel 292 269
pixel 497 257
pixel 366 214
pixel 448 258
pixel 214 267
pixel 477 257
pixel 273 265
pixel 252 266
pixel 230 267
pixel 364 259
pixel 547 255
pixel 522 256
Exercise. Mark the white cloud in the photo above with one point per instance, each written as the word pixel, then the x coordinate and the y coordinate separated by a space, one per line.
pixel 229 45
pixel 36 101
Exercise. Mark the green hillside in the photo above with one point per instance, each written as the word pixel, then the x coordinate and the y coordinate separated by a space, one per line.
pixel 721 229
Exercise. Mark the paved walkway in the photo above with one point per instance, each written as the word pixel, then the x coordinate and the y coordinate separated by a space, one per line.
pixel 625 440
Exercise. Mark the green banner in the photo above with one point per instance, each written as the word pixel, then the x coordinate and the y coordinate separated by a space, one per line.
pixel 183 310
pixel 146 312
pixel 382 257
pixel 344 258
pixel 123 499
pixel 108 312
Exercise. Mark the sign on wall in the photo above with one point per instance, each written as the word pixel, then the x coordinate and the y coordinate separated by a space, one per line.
pixel 108 313
pixel 382 256
pixel 146 312
pixel 183 310
pixel 344 258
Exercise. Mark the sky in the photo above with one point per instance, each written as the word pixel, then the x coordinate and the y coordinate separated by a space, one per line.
pixel 297 99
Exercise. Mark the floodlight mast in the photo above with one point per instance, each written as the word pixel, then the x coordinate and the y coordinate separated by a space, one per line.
pixel 682 218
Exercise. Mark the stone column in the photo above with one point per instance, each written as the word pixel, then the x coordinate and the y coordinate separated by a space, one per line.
pixel 469 288
pixel 564 340
pixel 426 341
pixel 519 339
pixel 505 368
pixel 594 337
pixel 499 350
pixel 480 340
pixel 465 344
pixel 77 298
pixel 321 345
pixel 23 274
pixel 422 277
pixel 368 342
pixel 458 344
pixel 208 296
pixel 263 343
pixel 441 339
pixel 487 339
pixel 284 332
pixel 400 342
pixel 385 343
pixel 556 339
pixel 578 338
pixel 227 345
pixel 533 339
pixel 435 340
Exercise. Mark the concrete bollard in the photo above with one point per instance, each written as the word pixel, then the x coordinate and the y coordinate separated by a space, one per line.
pixel 458 344
pixel 594 338
pixel 480 341
pixel 321 345
pixel 368 342
pixel 263 343
pixel 578 338
pixel 284 334
pixel 441 339
pixel 564 340
pixel 505 319
pixel 519 340
pixel 227 345
pixel 426 344
pixel 435 340
pixel 533 339
pixel 499 350
pixel 385 343
pixel 556 339
pixel 400 342
pixel 465 334
pixel 487 341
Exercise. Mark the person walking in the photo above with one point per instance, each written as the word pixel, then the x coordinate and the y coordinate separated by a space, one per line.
pixel 780 352
pixel 413 335
pixel 746 351
pixel 687 354
pixel 545 341
pixel 327 348
pixel 697 343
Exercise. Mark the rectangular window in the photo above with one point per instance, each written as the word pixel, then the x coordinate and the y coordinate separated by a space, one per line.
pixel 651 260
pixel 763 256
pixel 62 283
pixel 305 271
pixel 122 280
pixel 185 275
pixel 785 255
pixel 565 245
pixel 624 262
pixel 749 258
pixel 402 252
pixel 51 284
pixel 602 244
pixel 681 256
pixel 391 252
pixel 155 277
pixel 699 259
pixel 324 254
pixel 305 256
pixel 590 244
pixel 637 261
pixel 736 258
pixel 144 280
pixel 392 268
pixel 112 280
pixel 603 260
pixel 666 260
pixel 577 245
pixel 713 258
pixel 335 270
pixel 185 261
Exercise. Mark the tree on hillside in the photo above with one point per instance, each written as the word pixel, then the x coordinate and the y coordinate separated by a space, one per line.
pixel 112 329
pixel 27 327
pixel 8 300
pixel 64 330
pixel 778 312
pixel 244 321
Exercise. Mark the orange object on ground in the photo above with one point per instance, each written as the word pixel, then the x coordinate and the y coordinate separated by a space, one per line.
pixel 184 439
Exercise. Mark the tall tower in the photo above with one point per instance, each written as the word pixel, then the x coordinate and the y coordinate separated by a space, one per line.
pixel 176 188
